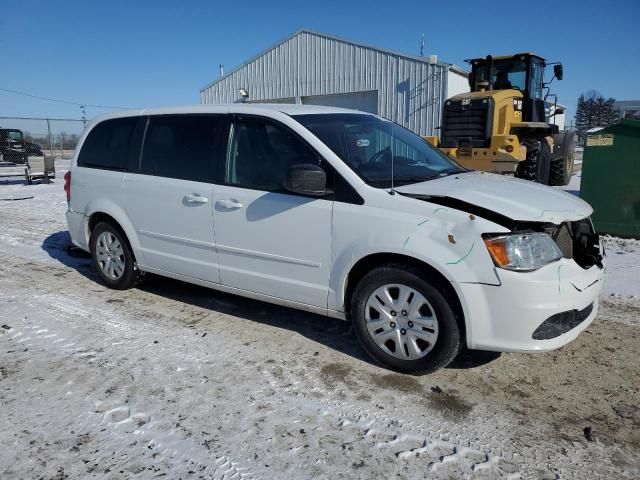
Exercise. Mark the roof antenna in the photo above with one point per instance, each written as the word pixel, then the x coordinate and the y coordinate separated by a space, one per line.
pixel 422 46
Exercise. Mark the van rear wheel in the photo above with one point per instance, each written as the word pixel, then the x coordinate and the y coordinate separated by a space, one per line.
pixel 404 321
pixel 112 257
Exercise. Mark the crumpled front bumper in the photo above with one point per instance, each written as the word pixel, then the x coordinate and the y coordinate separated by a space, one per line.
pixel 505 317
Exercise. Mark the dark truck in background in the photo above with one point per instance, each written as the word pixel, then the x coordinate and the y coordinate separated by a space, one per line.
pixel 14 148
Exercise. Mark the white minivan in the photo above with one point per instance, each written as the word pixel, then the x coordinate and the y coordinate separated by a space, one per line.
pixel 341 213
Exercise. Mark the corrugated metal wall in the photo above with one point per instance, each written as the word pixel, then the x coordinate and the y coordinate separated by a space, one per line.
pixel 410 92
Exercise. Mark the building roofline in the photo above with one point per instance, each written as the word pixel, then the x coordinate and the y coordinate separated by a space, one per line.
pixel 626 103
pixel 450 66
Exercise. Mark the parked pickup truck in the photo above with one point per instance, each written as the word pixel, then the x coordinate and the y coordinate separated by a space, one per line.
pixel 14 148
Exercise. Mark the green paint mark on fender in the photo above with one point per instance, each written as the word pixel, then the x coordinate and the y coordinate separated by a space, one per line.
pixel 464 256
pixel 406 241
pixel 439 208
pixel 559 283
pixel 557 211
pixel 422 223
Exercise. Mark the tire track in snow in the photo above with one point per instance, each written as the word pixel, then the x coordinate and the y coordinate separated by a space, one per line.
pixel 406 438
pixel 160 438
pixel 400 444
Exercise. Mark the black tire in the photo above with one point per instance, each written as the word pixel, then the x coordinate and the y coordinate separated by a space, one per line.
pixel 131 275
pixel 449 340
pixel 537 164
pixel 563 155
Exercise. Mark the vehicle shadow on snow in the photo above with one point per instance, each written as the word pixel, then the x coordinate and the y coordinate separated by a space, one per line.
pixel 335 334
pixel 12 181
pixel 59 247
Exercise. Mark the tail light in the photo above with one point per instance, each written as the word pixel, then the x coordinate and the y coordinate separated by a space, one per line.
pixel 67 185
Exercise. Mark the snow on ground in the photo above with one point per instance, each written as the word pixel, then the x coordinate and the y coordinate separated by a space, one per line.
pixel 175 380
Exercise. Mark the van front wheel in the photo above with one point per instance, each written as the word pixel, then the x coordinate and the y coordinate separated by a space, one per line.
pixel 404 321
pixel 112 257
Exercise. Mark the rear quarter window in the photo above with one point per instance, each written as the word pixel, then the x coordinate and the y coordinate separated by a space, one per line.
pixel 109 144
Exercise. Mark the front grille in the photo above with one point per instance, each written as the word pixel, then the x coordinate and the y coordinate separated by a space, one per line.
pixel 579 241
pixel 560 323
pixel 467 125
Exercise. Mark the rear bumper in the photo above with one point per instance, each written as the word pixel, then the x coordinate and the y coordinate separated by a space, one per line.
pixel 77 229
pixel 510 317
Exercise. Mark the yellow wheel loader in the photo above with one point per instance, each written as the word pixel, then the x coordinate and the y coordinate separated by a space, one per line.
pixel 501 126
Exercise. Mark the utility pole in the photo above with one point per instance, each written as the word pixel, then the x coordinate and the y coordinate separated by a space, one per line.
pixel 84 116
pixel 422 46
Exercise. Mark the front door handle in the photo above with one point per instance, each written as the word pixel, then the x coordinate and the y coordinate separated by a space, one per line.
pixel 228 203
pixel 195 198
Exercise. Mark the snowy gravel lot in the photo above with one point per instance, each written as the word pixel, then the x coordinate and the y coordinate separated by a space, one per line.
pixel 176 381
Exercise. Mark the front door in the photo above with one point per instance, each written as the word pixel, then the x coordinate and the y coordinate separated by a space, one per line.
pixel 268 240
pixel 170 198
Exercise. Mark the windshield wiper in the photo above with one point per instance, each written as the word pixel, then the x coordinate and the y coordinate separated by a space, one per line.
pixel 422 178
pixel 400 181
pixel 450 171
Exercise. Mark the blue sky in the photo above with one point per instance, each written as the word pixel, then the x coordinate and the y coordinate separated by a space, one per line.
pixel 153 53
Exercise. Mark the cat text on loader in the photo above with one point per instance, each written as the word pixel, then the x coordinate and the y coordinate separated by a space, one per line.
pixel 501 125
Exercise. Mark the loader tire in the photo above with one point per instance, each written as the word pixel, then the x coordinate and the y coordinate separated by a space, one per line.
pixel 562 162
pixel 537 164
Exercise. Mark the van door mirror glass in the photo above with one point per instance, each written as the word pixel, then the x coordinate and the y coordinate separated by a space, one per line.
pixel 306 179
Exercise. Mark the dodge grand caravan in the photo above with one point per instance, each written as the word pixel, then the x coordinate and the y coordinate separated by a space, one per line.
pixel 341 213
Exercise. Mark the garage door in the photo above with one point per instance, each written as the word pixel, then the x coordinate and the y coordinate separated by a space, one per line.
pixel 364 101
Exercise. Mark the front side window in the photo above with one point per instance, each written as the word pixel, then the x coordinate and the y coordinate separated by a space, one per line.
pixel 260 154
pixel 378 150
pixel 186 147
pixel 108 144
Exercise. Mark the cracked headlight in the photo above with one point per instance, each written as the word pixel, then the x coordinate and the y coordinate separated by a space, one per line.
pixel 522 251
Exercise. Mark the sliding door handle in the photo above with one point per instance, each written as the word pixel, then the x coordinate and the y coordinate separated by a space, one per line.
pixel 229 203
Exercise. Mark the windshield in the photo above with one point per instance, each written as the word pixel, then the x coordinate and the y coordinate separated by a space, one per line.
pixel 15 134
pixel 368 144
pixel 507 73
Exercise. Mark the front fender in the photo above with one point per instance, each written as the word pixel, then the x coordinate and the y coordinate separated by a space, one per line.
pixel 447 240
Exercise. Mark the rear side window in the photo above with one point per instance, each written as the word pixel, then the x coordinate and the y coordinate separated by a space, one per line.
pixel 108 144
pixel 186 147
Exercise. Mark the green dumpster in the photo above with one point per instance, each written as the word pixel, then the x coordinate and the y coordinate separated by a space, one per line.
pixel 611 178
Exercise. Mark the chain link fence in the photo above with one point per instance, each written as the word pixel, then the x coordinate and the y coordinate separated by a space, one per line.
pixel 55 137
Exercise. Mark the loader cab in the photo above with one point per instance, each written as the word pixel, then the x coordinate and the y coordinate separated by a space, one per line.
pixel 523 72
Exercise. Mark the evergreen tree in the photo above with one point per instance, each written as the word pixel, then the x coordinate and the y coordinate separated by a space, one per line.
pixel 593 110
pixel 580 119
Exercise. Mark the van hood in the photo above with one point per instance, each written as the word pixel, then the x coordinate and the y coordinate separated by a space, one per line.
pixel 513 199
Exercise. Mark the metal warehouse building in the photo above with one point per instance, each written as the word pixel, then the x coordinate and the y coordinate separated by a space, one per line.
pixel 318 69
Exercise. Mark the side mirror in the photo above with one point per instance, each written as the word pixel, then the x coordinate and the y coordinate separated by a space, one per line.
pixel 557 71
pixel 307 179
